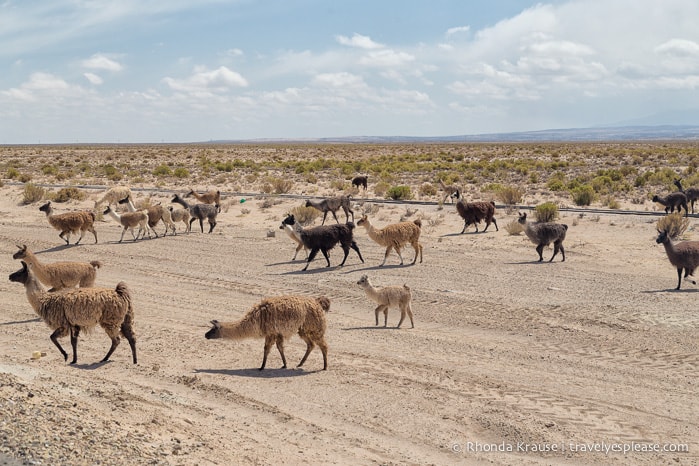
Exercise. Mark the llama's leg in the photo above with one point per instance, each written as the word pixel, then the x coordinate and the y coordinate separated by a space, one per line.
pixel 298 248
pixel 689 273
pixel 417 248
pixel 309 347
pixel 311 256
pixel 397 248
pixel 327 256
pixel 212 224
pixel 74 333
pixel 280 348
pixel 60 333
pixel 402 316
pixel 409 309
pixel 122 234
pixel 92 230
pixel 385 256
pixel 556 247
pixel 325 214
pixel 67 240
pixel 496 225
pixel 269 341
pixel 82 233
pixel 679 277
pixel 563 251
pixel 465 226
pixel 201 224
pixel 191 220
pixel 385 315
pixel 378 309
pixel 127 331
pixel 354 246
pixel 335 216
pixel 540 250
pixel 113 334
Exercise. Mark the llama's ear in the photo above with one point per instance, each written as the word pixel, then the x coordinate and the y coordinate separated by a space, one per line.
pixel 216 324
pixel 24 265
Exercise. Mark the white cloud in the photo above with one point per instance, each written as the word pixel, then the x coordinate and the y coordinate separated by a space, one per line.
pixel 679 48
pixel 206 81
pixel 383 58
pixel 93 78
pixel 457 30
pixel 358 40
pixel 342 80
pixel 102 62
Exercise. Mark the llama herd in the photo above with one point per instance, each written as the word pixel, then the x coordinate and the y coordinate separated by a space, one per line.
pixel 68 310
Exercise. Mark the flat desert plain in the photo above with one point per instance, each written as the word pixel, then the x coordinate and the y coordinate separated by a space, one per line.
pixel 589 361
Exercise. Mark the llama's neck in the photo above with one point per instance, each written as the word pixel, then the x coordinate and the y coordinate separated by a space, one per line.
pixel 371 231
pixel 34 292
pixel 371 292
pixel 244 328
pixel 114 215
pixel 129 205
pixel 182 202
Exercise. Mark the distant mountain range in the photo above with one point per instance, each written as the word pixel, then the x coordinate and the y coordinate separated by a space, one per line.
pixel 617 133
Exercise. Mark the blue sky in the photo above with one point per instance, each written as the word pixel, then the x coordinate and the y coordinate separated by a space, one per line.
pixel 183 71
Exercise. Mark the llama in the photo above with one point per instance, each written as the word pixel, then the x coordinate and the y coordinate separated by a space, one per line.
pixel 332 205
pixel 59 275
pixel 276 319
pixel 323 238
pixel 71 311
pixel 387 297
pixel 209 197
pixel 451 192
pixel 156 213
pixel 672 201
pixel 180 215
pixel 360 180
pixel 474 212
pixel 395 236
pixel 112 196
pixel 288 226
pixel 544 233
pixel 70 222
pixel 691 193
pixel 199 212
pixel 129 221
pixel 683 255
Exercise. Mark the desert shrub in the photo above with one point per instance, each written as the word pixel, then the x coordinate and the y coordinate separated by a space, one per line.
pixel 111 172
pixel 546 212
pixel 181 172
pixel 33 193
pixel 12 173
pixel 400 192
pixel 274 185
pixel 381 188
pixel 339 185
pixel 162 170
pixel 24 178
pixel 555 185
pixel 514 228
pixel 49 170
pixel 67 194
pixel 612 203
pixel 583 195
pixel 305 215
pixel 510 195
pixel 427 189
pixel 675 224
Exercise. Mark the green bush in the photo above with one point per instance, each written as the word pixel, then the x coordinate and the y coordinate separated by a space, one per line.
pixel 397 193
pixel 33 193
pixel 675 224
pixel 181 172
pixel 162 170
pixel 305 215
pixel 546 212
pixel 510 195
pixel 583 195
pixel 427 189
pixel 66 194
pixel 12 173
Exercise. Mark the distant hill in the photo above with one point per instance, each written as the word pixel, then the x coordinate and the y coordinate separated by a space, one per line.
pixel 620 133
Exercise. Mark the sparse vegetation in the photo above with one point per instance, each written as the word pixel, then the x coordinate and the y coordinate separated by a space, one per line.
pixel 546 212
pixel 399 193
pixel 33 193
pixel 675 224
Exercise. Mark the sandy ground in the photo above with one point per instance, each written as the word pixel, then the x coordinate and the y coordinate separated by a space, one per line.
pixel 569 357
